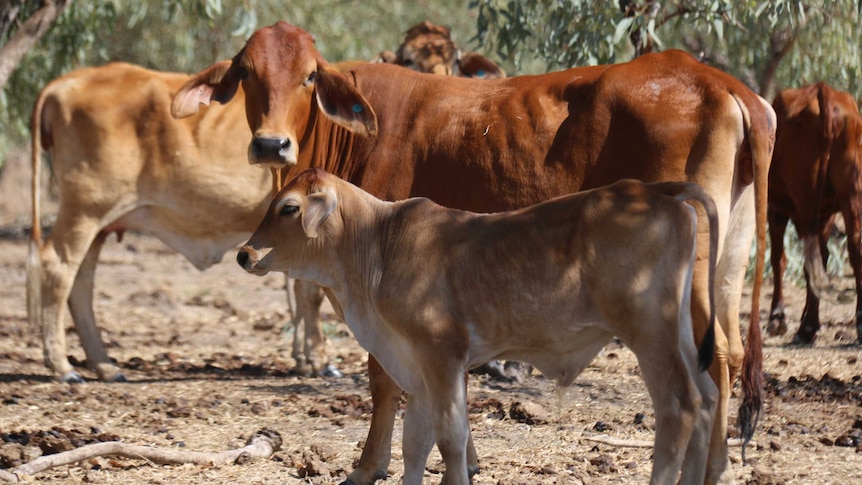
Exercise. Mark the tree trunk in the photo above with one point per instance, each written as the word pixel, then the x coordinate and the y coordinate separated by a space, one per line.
pixel 27 35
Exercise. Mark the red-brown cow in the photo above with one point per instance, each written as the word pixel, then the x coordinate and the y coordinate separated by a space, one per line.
pixel 816 172
pixel 493 145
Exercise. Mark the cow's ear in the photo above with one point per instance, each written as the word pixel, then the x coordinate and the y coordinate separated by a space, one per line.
pixel 217 82
pixel 473 64
pixel 318 206
pixel 386 57
pixel 339 100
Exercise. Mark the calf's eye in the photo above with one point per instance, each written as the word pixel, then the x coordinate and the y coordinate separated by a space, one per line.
pixel 288 210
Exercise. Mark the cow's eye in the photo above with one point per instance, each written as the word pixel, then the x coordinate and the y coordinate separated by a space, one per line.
pixel 408 62
pixel 242 73
pixel 311 77
pixel 288 210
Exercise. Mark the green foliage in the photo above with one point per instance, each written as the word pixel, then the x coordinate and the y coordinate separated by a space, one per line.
pixel 740 37
pixel 188 35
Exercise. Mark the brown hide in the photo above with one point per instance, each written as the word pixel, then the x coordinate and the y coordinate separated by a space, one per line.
pixel 500 144
pixel 816 173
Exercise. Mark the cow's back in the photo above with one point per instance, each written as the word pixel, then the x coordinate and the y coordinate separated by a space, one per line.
pixel 117 153
pixel 502 144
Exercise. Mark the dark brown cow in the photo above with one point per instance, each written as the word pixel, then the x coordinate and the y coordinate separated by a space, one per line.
pixel 429 48
pixel 494 145
pixel 816 173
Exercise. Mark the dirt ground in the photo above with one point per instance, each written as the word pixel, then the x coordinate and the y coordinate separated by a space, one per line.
pixel 209 364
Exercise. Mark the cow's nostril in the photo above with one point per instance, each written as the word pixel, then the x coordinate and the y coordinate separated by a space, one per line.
pixel 269 147
pixel 242 257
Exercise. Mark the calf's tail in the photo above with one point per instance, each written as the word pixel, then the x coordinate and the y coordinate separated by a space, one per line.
pixel 685 191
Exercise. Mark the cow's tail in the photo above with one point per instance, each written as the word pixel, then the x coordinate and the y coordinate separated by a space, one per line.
pixel 685 191
pixel 34 262
pixel 814 269
pixel 759 125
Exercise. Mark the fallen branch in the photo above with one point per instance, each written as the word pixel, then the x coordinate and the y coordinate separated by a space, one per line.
pixel 621 443
pixel 261 444
pixel 607 440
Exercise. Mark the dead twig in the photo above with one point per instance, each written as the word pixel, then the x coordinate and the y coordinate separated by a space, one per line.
pixel 261 444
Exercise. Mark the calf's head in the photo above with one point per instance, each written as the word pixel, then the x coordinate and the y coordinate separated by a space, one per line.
pixel 291 234
pixel 285 81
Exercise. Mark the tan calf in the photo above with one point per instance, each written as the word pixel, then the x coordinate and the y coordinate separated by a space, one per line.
pixel 431 292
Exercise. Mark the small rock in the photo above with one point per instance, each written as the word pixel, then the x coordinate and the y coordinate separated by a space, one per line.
pixel 528 413
pixel 774 446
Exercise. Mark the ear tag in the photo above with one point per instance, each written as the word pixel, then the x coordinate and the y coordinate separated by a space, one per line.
pixel 357 108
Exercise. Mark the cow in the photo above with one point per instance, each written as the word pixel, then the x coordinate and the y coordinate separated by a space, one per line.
pixel 432 292
pixel 816 173
pixel 121 162
pixel 429 48
pixel 501 144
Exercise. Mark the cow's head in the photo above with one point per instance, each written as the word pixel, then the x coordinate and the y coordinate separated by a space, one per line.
pixel 428 48
pixel 292 235
pixel 282 75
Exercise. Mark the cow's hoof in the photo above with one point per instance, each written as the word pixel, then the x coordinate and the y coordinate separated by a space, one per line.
pixel 776 327
pixel 72 377
pixel 378 475
pixel 117 378
pixel 331 372
pixel 803 339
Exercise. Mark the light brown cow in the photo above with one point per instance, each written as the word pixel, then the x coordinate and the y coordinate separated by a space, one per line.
pixel 816 172
pixel 494 145
pixel 432 292
pixel 121 162
pixel 429 48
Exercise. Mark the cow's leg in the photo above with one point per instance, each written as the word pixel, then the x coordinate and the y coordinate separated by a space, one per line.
pixel 418 438
pixel 684 398
pixel 680 415
pixel 729 281
pixel 311 359
pixel 377 452
pixel 777 221
pixel 81 308
pixel 810 323
pixel 853 226
pixel 59 261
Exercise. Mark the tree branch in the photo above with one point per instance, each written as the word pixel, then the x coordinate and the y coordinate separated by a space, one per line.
pixel 27 35
pixel 261 444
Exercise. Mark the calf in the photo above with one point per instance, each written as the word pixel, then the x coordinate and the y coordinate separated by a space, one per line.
pixel 815 174
pixel 431 292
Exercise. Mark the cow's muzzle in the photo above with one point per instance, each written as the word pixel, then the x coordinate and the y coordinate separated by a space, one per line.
pixel 248 259
pixel 272 151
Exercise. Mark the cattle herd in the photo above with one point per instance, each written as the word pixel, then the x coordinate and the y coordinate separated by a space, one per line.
pixel 565 219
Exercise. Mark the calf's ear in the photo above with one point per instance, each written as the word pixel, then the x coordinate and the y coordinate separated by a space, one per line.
pixel 318 206
pixel 339 100
pixel 216 82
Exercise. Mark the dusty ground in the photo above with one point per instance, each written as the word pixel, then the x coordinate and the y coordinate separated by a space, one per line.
pixel 208 364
